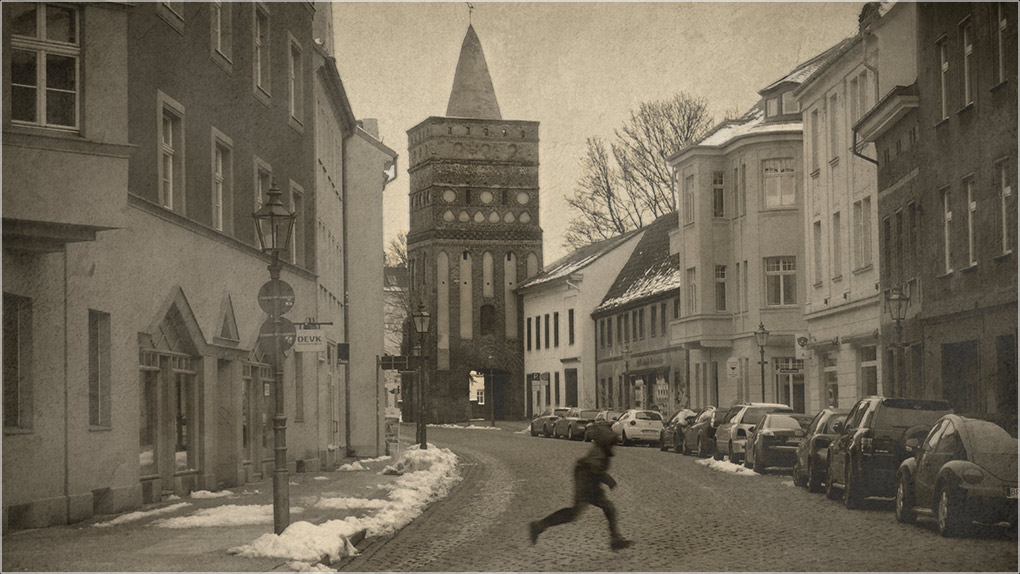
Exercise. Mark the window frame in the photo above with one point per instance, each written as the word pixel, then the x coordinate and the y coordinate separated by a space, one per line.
pixel 784 276
pixel 298 207
pixel 99 372
pixel 836 234
pixel 720 288
pixel 41 47
pixel 261 52
pixel 942 49
pixel 691 290
pixel 176 201
pixel 718 195
pixel 967 55
pixel 224 177
pixel 862 233
pixel 968 188
pixel 784 173
pixel 689 202
pixel 1005 194
pixel 296 82
pixel 946 194
pixel 18 319
pixel 260 168
pixel 221 34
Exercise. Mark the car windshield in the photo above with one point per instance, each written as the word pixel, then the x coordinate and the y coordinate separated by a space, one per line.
pixel 647 416
pixel 587 414
pixel 906 413
pixel 560 412
pixel 788 422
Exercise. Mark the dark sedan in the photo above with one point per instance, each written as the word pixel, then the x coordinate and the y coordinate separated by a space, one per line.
pixel 544 422
pixel 813 453
pixel 673 430
pixel 572 424
pixel 965 470
pixel 604 418
pixel 774 440
pixel 699 436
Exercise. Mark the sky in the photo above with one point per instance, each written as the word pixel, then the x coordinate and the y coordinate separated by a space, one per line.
pixel 577 68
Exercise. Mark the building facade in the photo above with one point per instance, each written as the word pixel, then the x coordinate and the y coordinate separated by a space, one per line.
pixel 741 250
pixel 843 302
pixel 474 237
pixel 130 261
pixel 638 364
pixel 559 342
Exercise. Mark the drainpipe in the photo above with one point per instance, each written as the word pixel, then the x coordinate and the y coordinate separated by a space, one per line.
pixel 67 396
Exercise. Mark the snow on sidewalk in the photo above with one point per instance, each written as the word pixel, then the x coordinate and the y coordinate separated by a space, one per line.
pixel 427 476
pixel 226 515
pixel 468 427
pixel 140 514
pixel 726 466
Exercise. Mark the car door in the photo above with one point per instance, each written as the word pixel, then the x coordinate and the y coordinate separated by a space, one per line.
pixel 723 433
pixel 937 450
pixel 841 444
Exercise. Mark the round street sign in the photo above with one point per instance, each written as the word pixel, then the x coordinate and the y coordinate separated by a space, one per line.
pixel 276 290
pixel 287 334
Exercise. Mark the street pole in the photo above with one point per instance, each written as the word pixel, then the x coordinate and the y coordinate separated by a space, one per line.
pixel 424 392
pixel 281 482
pixel 899 354
pixel 762 363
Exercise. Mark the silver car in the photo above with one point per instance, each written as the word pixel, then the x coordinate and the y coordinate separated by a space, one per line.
pixel 731 435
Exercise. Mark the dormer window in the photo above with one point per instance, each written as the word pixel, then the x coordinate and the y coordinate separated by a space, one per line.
pixel 790 105
pixel 771 107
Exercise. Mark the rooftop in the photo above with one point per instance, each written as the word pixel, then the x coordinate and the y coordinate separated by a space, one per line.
pixel 577 260
pixel 651 270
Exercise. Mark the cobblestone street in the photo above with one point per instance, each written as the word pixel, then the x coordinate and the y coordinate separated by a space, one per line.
pixel 681 515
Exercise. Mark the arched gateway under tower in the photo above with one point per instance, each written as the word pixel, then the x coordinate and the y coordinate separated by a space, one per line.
pixel 474 237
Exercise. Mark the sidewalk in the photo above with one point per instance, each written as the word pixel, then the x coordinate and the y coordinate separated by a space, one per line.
pixel 195 534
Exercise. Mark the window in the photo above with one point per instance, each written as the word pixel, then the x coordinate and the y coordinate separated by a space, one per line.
pixel 833 126
pixel 780 281
pixel 263 181
pixel 737 277
pixel 817 235
pixel 556 329
pixel 967 44
pixel 689 199
pixel 222 181
pixel 626 327
pixel 854 110
pixel 718 195
pixel 676 308
pixel 480 396
pixel 830 378
pixel 779 183
pixel 771 107
pixel 487 319
pixel 529 333
pixel 621 333
pixel 692 290
pixel 99 368
pixel 17 357
pixel 634 325
pixel 947 219
pixel 641 323
pixel 222 31
pixel 886 262
pixel 815 135
pixel 609 331
pixel 44 64
pixel 900 261
pixel 261 58
pixel 790 105
pixel 742 200
pixel 944 66
pixel 1005 193
pixel 297 82
pixel 743 296
pixel 720 287
pixel 837 247
pixel 912 221
pixel 653 332
pixel 538 332
pixel 547 330
pixel 862 233
pixel 570 326
pixel 1000 42
pixel 171 151
pixel 968 186
pixel 297 240
pixel 662 317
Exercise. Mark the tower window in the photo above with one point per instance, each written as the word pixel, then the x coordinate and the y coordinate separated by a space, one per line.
pixel 487 317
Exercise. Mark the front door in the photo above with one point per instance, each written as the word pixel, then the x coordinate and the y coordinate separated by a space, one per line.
pixel 168 432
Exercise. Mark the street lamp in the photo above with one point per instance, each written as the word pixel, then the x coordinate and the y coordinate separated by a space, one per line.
pixel 422 320
pixel 274 224
pixel 761 336
pixel 625 388
pixel 491 392
pixel 897 301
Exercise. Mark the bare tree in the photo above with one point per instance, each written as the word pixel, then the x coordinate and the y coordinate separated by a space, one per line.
pixel 396 251
pixel 630 184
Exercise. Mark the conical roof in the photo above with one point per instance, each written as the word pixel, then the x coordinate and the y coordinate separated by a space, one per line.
pixel 472 95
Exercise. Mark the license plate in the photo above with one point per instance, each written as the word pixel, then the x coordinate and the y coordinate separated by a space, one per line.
pixel 1011 492
pixel 652 431
pixel 794 440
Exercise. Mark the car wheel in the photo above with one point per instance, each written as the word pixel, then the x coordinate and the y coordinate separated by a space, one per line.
pixel 570 433
pixel 701 447
pixel 905 501
pixel 814 482
pixel 717 454
pixel 546 431
pixel 758 465
pixel 798 474
pixel 830 491
pixel 534 432
pixel 729 453
pixel 851 490
pixel 662 442
pixel 949 518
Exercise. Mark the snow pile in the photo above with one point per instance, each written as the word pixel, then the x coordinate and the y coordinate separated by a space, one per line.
pixel 726 466
pixel 356 465
pixel 320 478
pixel 208 494
pixel 227 515
pixel 377 459
pixel 132 516
pixel 346 503
pixel 306 567
pixel 471 427
pixel 788 483
pixel 428 475
pixel 525 430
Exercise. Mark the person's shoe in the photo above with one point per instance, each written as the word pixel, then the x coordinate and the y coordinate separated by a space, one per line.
pixel 620 543
pixel 534 529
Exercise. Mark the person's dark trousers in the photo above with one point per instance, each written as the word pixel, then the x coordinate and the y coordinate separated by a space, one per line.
pixel 586 491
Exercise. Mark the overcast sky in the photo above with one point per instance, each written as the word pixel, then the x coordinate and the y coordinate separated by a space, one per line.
pixel 577 68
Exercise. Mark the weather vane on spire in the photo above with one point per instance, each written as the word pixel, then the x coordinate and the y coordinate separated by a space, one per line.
pixel 471 8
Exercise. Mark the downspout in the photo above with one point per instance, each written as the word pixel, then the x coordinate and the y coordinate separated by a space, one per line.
pixel 67 396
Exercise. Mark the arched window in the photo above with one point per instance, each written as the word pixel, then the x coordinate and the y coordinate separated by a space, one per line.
pixel 487 319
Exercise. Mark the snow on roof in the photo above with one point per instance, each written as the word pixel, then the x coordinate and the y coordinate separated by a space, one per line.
pixel 578 259
pixel 650 271
pixel 752 123
pixel 805 70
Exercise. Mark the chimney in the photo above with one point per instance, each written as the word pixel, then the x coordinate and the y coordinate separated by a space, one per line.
pixel 371 125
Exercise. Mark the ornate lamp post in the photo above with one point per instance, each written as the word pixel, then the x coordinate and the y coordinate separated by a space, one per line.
pixel 761 336
pixel 897 301
pixel 625 387
pixel 274 224
pixel 422 321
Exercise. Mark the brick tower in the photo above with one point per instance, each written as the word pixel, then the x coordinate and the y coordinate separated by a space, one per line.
pixel 474 237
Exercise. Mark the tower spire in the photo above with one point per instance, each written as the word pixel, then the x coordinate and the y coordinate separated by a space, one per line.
pixel 472 95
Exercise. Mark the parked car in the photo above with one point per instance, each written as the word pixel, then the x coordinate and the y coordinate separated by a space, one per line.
pixel 812 459
pixel 964 470
pixel 605 418
pixel 774 441
pixel 544 422
pixel 869 448
pixel 673 429
pixel 571 425
pixel 637 425
pixel 699 436
pixel 732 433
